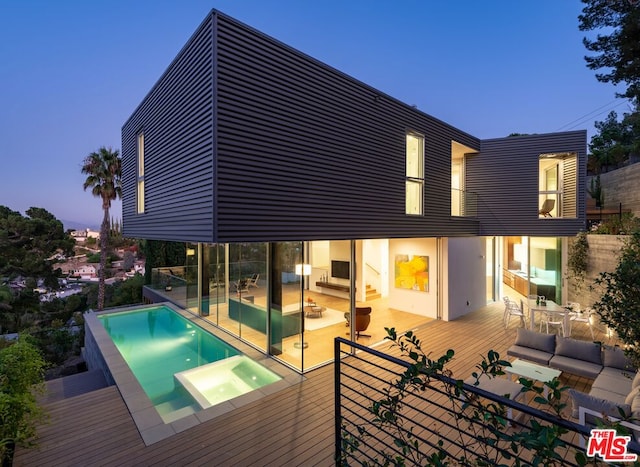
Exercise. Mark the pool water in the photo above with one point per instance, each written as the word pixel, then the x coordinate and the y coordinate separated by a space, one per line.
pixel 181 367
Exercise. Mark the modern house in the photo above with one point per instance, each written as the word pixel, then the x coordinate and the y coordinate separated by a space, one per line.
pixel 287 180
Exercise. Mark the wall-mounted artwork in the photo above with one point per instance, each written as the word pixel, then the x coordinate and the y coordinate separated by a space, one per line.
pixel 412 272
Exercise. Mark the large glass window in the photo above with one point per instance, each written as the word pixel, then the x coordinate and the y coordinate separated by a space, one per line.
pixel 247 275
pixel 533 266
pixel 557 192
pixel 140 178
pixel 414 174
pixel 286 288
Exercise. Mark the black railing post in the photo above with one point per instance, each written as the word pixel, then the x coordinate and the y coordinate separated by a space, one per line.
pixel 336 402
pixel 620 211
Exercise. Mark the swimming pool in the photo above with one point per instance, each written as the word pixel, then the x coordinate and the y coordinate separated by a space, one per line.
pixel 181 367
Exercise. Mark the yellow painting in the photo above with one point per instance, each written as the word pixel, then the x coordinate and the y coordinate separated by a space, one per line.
pixel 412 272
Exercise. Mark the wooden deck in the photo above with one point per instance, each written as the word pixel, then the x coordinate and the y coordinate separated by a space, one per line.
pixel 293 427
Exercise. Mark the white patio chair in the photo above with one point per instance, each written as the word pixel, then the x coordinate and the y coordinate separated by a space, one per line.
pixel 253 280
pixel 553 319
pixel 533 297
pixel 579 316
pixel 511 308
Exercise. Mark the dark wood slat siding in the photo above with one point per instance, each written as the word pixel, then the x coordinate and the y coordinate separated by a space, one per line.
pixel 177 119
pixel 306 152
pixel 505 176
pixel 570 198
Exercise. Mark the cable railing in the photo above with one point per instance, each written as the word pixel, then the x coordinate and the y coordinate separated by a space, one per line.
pixel 437 420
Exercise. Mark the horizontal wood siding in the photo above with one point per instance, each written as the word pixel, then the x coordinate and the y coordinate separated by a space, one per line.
pixel 306 152
pixel 177 120
pixel 505 176
pixel 570 196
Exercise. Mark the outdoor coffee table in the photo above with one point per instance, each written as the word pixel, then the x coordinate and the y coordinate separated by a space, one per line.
pixel 500 387
pixel 533 371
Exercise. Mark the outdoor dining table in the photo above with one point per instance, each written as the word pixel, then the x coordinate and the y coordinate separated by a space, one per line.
pixel 552 307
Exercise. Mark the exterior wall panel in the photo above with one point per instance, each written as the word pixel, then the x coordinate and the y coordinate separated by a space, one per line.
pixel 306 152
pixel 177 120
pixel 505 176
pixel 247 139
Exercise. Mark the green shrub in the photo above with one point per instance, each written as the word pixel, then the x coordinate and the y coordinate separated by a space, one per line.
pixel 21 377
pixel 626 224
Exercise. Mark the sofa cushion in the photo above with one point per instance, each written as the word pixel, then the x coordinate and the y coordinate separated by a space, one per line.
pixel 527 353
pixel 575 366
pixel 581 350
pixel 636 380
pixel 614 380
pixel 536 340
pixel 615 357
pixel 613 397
pixel 597 404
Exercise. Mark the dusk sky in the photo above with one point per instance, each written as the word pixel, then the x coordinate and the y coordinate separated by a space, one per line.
pixel 72 72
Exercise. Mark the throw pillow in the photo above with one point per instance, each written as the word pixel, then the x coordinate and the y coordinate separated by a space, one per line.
pixel 615 357
pixel 536 340
pixel 580 350
pixel 602 406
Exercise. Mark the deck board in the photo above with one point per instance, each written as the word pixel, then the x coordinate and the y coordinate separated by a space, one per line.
pixel 293 427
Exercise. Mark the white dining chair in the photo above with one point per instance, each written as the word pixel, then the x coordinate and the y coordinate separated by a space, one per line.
pixel 576 315
pixel 511 309
pixel 553 319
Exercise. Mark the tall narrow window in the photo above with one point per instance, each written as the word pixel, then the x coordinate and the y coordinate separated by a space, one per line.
pixel 140 189
pixel 558 185
pixel 414 174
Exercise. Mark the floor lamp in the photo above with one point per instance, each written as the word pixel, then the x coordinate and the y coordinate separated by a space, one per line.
pixel 302 270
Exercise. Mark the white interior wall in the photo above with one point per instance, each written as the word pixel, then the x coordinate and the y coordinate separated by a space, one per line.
pixel 412 301
pixel 376 264
pixel 466 289
pixel 320 262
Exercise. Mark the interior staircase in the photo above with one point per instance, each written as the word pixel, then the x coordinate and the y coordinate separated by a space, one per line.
pixel 371 293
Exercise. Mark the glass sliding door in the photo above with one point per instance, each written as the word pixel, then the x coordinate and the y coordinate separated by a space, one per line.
pixel 191 276
pixel 285 308
pixel 246 271
pixel 214 280
pixel 546 271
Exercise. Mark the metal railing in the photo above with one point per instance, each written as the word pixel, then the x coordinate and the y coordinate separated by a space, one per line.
pixel 445 422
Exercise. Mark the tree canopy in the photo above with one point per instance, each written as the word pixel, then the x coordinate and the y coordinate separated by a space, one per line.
pixel 28 244
pixel 617 53
pixel 613 145
pixel 616 59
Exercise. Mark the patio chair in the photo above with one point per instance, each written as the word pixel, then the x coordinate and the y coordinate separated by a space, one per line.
pixel 253 281
pixel 553 319
pixel 580 316
pixel 547 207
pixel 241 286
pixel 511 308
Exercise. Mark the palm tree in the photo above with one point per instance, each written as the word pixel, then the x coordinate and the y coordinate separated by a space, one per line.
pixel 104 177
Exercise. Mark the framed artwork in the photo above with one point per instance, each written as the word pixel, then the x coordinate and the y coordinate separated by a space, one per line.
pixel 412 272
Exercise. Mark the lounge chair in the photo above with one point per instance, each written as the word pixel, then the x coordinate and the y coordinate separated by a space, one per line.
pixel 253 280
pixel 547 207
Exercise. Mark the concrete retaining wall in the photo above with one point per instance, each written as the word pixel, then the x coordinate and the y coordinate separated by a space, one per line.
pixel 621 186
pixel 604 252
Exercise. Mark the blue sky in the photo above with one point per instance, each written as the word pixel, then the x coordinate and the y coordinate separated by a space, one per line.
pixel 71 72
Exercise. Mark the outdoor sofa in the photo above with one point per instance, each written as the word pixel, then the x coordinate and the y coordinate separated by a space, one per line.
pixel 616 385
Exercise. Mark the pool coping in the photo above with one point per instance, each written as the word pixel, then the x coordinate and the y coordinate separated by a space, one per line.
pixel 147 419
